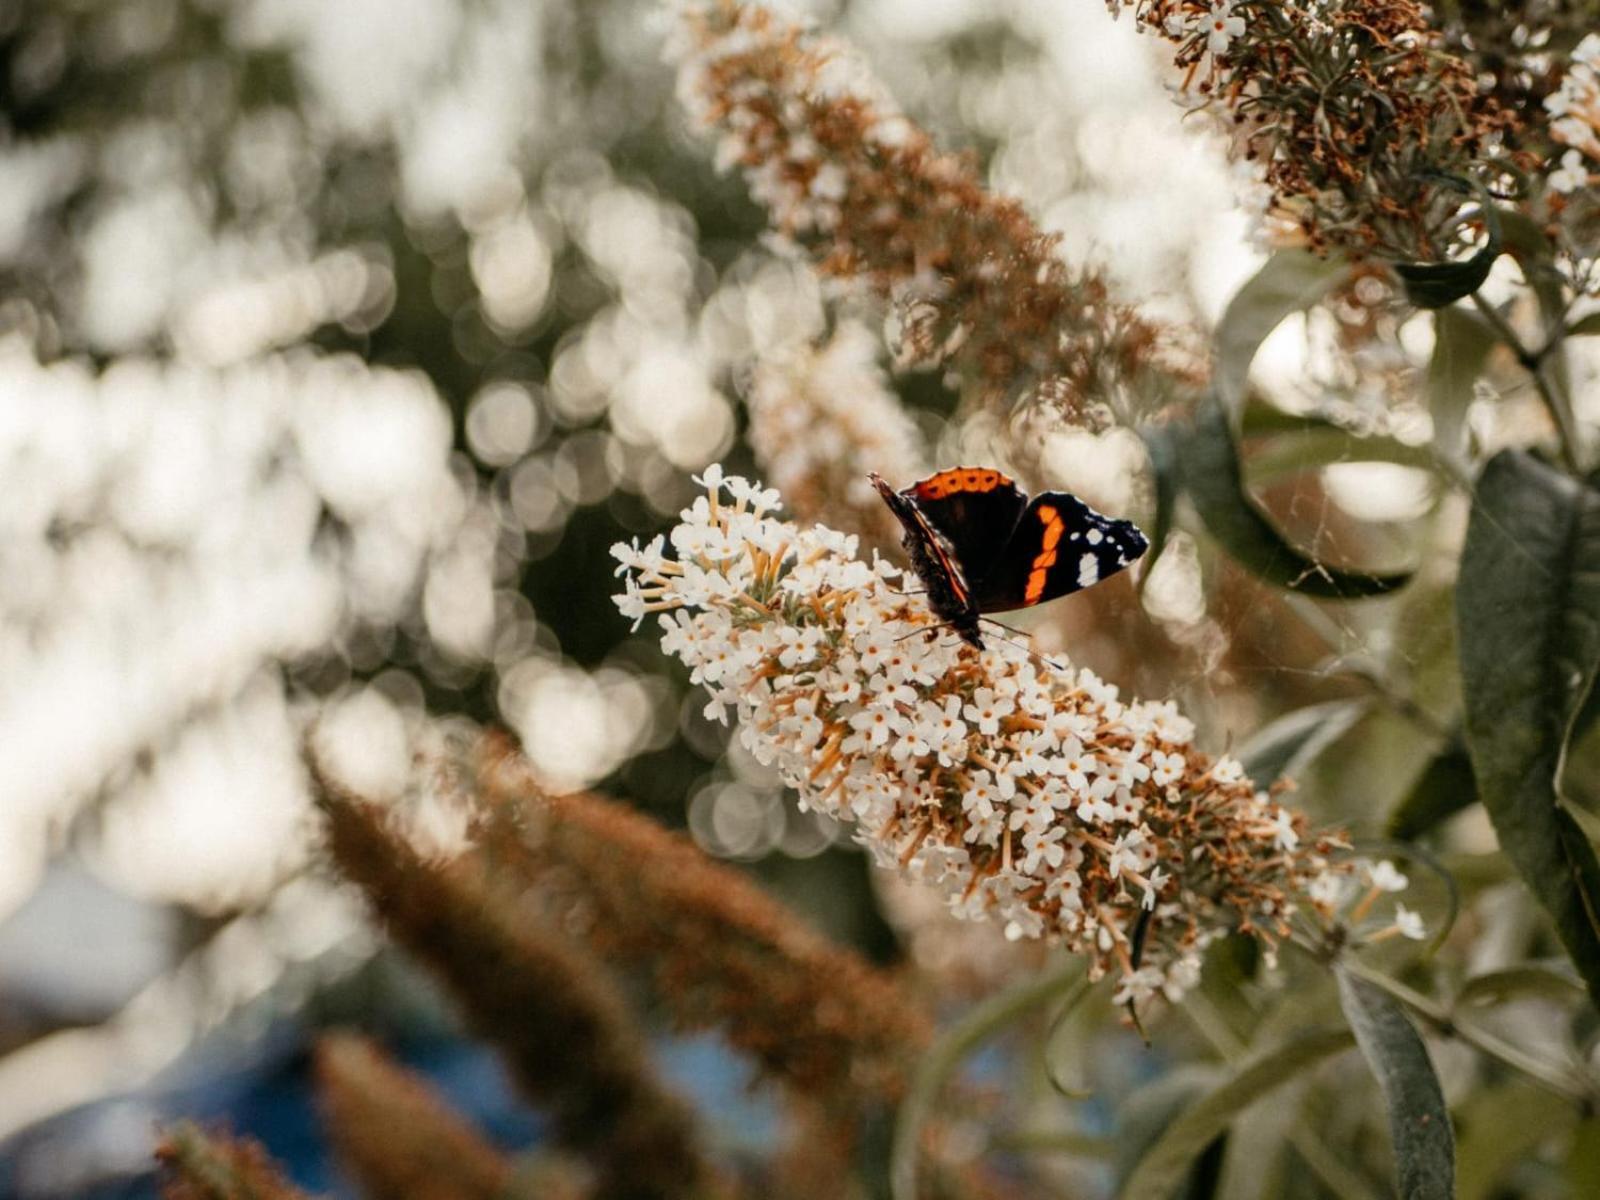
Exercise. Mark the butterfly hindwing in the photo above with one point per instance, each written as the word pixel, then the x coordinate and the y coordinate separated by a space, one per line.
pixel 974 509
pixel 1058 546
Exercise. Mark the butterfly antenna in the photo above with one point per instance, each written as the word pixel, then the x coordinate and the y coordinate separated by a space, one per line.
pixel 1025 647
pixel 926 629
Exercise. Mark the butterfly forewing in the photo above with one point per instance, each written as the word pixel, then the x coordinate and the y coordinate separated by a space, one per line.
pixel 1059 545
pixel 975 509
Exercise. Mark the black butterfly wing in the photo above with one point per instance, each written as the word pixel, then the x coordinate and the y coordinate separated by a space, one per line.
pixel 974 509
pixel 1059 546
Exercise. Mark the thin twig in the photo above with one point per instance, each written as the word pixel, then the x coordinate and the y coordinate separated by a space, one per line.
pixel 1533 362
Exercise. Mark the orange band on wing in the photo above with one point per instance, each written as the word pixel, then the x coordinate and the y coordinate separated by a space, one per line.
pixel 960 479
pixel 1046 558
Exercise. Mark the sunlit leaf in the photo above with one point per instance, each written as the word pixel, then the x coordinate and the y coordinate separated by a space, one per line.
pixel 1528 616
pixel 1164 1165
pixel 1434 285
pixel 1444 788
pixel 1289 744
pixel 1461 346
pixel 1214 482
pixel 1290 282
pixel 1419 1122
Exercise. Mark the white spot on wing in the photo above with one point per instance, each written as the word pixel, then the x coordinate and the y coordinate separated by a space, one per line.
pixel 1088 571
pixel 1094 537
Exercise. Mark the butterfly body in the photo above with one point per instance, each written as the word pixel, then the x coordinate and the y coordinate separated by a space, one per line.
pixel 980 544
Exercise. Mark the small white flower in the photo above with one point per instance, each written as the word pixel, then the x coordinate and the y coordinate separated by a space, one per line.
pixel 1222 27
pixel 1227 769
pixel 1152 887
pixel 1572 131
pixel 1572 174
pixel 1138 986
pixel 987 709
pixel 1387 878
pixel 1284 835
pixel 1409 923
pixel 1168 768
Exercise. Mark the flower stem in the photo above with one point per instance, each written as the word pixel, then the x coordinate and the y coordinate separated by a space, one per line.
pixel 1565 1082
pixel 1534 363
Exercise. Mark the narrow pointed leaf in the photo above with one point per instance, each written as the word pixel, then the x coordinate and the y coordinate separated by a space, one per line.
pixel 1290 282
pixel 1461 345
pixel 1434 285
pixel 1215 483
pixel 1444 788
pixel 1289 744
pixel 1549 981
pixel 1419 1122
pixel 944 1058
pixel 1165 1164
pixel 1528 618
pixel 1164 445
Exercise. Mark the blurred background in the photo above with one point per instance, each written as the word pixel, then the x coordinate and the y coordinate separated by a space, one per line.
pixel 338 342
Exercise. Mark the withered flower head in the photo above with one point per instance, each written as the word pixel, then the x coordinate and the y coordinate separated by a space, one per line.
pixel 979 287
pixel 1350 108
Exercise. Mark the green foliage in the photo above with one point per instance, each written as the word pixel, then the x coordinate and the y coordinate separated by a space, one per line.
pixel 1290 744
pixel 1444 788
pixel 1528 612
pixel 1164 1165
pixel 1291 281
pixel 1435 285
pixel 1213 479
pixel 1419 1122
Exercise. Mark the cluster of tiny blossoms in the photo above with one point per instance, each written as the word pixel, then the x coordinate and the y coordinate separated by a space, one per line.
pixel 1575 111
pixel 1024 790
pixel 821 418
pixel 1347 107
pixel 848 179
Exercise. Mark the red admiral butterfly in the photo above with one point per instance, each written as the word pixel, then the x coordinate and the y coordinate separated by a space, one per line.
pixel 981 545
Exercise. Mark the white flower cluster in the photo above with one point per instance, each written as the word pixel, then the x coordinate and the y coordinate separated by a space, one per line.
pixel 1026 791
pixel 1575 111
pixel 821 418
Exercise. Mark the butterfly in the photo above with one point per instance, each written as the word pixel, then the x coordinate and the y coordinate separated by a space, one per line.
pixel 980 544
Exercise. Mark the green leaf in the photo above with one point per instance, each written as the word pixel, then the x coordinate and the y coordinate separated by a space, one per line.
pixel 947 1054
pixel 1163 444
pixel 1554 982
pixel 1289 744
pixel 1290 282
pixel 1444 788
pixel 1528 620
pixel 1434 285
pixel 1310 443
pixel 1419 1122
pixel 1215 483
pixel 1461 346
pixel 1163 1166
pixel 1526 242
pixel 1500 1130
